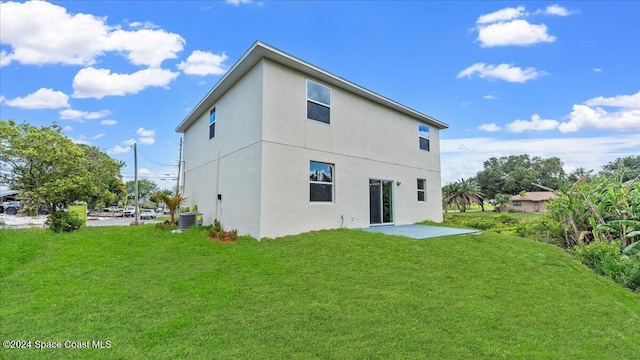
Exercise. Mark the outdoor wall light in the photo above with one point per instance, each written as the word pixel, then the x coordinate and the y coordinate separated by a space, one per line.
pixel 398 183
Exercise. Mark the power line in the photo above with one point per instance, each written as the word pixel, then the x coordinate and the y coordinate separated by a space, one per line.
pixel 155 162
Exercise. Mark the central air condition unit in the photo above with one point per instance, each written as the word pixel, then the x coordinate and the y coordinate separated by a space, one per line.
pixel 187 220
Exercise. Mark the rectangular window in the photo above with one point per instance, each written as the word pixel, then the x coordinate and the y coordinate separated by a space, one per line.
pixel 318 102
pixel 517 203
pixel 212 123
pixel 422 187
pixel 320 182
pixel 423 134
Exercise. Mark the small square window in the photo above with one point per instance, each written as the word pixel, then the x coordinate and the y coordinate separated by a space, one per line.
pixel 320 182
pixel 423 135
pixel 212 123
pixel 318 102
pixel 422 187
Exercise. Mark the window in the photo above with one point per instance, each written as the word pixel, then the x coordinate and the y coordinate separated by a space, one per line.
pixel 423 134
pixel 318 102
pixel 517 203
pixel 422 186
pixel 320 182
pixel 212 123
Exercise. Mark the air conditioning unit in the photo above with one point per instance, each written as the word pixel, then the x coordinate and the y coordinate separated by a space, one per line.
pixel 187 220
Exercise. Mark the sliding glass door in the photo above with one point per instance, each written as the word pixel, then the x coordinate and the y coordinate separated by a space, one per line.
pixel 380 201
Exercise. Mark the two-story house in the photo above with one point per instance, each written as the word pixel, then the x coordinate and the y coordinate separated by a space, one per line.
pixel 280 146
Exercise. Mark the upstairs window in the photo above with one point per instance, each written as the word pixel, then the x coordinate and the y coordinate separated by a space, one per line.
pixel 422 187
pixel 320 182
pixel 423 135
pixel 212 123
pixel 318 102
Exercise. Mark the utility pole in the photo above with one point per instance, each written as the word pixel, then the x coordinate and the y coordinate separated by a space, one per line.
pixel 179 168
pixel 135 165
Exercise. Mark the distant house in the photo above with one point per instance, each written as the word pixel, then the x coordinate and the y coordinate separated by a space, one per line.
pixel 280 146
pixel 535 201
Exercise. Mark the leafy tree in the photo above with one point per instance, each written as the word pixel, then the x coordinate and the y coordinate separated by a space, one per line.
pixel 49 169
pixel 603 208
pixel 110 188
pixel 462 193
pixel 146 188
pixel 630 165
pixel 513 174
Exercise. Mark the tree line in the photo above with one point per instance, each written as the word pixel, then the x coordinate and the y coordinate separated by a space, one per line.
pixel 510 175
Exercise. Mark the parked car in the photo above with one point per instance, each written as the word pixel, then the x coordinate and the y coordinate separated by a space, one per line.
pixel 148 214
pixel 130 211
pixel 112 209
pixel 11 207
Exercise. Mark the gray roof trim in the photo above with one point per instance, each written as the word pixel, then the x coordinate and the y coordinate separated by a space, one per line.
pixel 260 50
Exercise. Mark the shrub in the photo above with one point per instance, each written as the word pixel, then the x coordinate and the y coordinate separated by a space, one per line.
pixel 233 234
pixel 61 221
pixel 605 258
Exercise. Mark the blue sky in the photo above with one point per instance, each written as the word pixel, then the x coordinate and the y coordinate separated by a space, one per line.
pixel 543 78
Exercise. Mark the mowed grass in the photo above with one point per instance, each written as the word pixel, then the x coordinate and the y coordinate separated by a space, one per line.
pixel 340 294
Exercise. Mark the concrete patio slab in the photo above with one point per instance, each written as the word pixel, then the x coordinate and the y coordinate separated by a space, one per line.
pixel 419 231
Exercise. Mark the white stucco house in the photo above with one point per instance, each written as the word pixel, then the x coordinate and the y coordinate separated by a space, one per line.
pixel 280 146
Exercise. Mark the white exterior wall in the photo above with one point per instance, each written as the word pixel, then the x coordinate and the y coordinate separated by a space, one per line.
pixel 238 136
pixel 364 140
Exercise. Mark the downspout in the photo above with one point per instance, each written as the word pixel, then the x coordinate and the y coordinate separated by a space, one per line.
pixel 218 186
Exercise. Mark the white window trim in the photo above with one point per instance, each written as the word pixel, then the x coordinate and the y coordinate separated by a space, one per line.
pixel 333 182
pixel 424 191
pixel 306 90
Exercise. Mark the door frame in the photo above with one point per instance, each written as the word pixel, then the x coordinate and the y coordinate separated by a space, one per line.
pixel 381 203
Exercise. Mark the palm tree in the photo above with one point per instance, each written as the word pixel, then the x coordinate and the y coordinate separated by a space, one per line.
pixel 462 194
pixel 501 201
pixel 171 202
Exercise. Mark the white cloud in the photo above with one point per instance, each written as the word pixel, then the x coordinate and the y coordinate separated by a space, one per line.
pixel 81 140
pixel 505 72
pixel 490 97
pixel 626 101
pixel 77 115
pixel 98 83
pixel 465 157
pixel 592 116
pixel 238 2
pixel 67 128
pixel 492 127
pixel 108 122
pixel 517 32
pixel 536 124
pixel 145 133
pixel 501 15
pixel 597 70
pixel 42 33
pixel 98 136
pixel 556 10
pixel 204 63
pixel 129 142
pixel 119 150
pixel 585 117
pixel 147 140
pixel 144 25
pixel 43 98
pixel 145 46
pixel 145 172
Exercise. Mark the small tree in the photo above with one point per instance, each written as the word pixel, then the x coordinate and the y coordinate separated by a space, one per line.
pixel 501 201
pixel 462 194
pixel 171 202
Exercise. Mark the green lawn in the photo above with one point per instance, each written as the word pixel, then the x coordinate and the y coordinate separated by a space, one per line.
pixel 341 294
